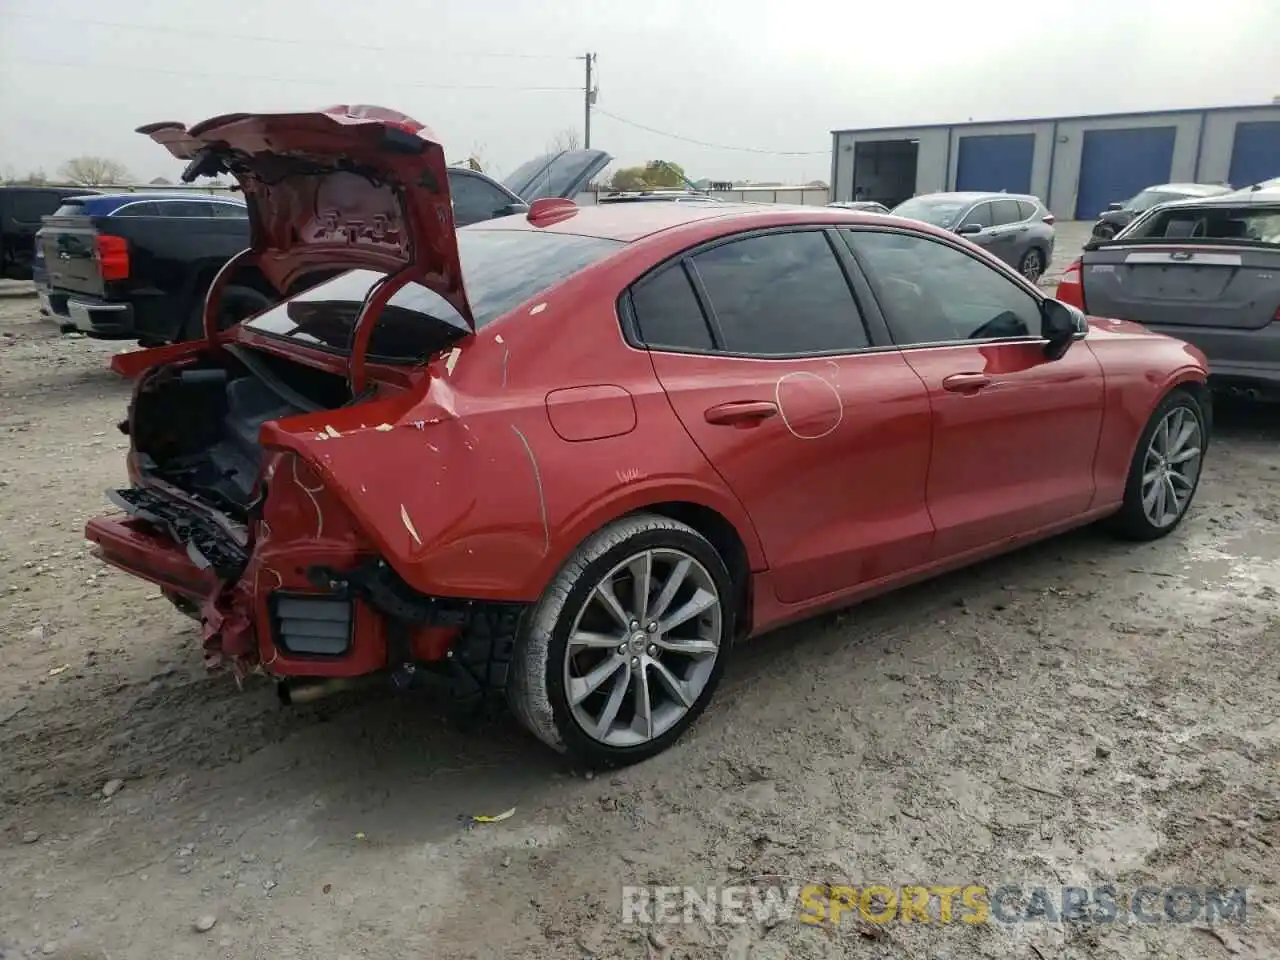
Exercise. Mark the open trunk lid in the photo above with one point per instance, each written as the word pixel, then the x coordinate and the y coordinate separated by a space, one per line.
pixel 1211 264
pixel 562 174
pixel 333 190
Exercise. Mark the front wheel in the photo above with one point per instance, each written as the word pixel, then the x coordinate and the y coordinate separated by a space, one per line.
pixel 628 643
pixel 1165 470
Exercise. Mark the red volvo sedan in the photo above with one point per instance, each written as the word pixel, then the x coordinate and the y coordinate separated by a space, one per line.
pixel 571 458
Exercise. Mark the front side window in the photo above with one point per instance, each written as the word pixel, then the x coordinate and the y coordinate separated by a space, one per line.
pixel 780 294
pixel 981 215
pixel 933 293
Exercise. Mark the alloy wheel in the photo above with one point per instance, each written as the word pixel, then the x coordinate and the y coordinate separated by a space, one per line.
pixel 643 647
pixel 1032 265
pixel 1171 467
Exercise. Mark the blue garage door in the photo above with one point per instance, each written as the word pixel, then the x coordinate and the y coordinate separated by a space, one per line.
pixel 1116 164
pixel 1255 156
pixel 996 163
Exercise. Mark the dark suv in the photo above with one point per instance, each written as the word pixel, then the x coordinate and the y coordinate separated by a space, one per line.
pixel 21 210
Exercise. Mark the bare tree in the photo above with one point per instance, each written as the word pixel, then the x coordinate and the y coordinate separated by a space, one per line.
pixel 89 171
pixel 566 139
pixel 31 177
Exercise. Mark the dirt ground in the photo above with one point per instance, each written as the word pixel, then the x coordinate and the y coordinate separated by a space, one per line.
pixel 1081 713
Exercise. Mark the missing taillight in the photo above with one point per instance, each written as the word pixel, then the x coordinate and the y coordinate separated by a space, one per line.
pixel 112 254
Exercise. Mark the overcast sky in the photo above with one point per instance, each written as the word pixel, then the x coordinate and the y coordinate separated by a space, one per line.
pixel 78 77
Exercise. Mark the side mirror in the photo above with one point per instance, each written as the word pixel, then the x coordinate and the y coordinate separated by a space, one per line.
pixel 1114 206
pixel 969 229
pixel 1060 324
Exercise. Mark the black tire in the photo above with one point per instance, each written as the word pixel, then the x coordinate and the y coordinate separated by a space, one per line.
pixel 536 690
pixel 1033 258
pixel 1132 521
pixel 238 303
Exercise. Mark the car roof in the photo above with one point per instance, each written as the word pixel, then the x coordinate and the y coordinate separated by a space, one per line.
pixel 1232 198
pixel 628 222
pixel 1193 189
pixel 104 204
pixel 973 196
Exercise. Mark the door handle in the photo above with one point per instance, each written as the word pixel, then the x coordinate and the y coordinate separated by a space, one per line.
pixel 966 382
pixel 741 413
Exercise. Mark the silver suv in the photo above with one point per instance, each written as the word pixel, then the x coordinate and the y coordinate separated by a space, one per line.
pixel 1016 227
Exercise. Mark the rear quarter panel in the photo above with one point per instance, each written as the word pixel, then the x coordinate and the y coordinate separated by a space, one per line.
pixel 1139 368
pixel 466 487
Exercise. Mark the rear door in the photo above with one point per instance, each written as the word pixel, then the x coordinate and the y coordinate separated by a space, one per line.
pixel 1008 231
pixel 1213 267
pixel 763 351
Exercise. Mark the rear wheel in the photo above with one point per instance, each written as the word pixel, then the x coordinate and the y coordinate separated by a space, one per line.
pixel 1165 471
pixel 628 643
pixel 237 303
pixel 1032 265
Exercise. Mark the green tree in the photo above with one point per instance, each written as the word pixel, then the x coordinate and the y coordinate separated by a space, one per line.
pixel 654 175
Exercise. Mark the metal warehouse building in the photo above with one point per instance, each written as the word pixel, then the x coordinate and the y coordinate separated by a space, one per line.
pixel 1077 165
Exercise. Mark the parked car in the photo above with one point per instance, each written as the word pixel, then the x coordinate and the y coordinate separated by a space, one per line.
pixel 1017 228
pixel 137 265
pixel 572 458
pixel 1119 215
pixel 866 206
pixel 21 210
pixel 563 173
pixel 1205 270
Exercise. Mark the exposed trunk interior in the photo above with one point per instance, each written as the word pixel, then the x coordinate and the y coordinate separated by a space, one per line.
pixel 197 428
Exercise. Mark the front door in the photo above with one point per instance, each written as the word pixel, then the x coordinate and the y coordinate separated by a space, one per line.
pixel 1014 434
pixel 760 346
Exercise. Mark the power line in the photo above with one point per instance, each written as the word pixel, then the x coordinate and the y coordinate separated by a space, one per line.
pixel 714 146
pixel 310 81
pixel 258 38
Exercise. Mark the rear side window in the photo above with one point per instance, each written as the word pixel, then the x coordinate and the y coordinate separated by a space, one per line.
pixel 667 311
pixel 500 270
pixel 1005 211
pixel 1026 209
pixel 780 294
pixel 1210 223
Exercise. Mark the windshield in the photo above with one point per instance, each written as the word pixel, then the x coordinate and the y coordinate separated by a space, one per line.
pixel 1149 198
pixel 939 211
pixel 500 268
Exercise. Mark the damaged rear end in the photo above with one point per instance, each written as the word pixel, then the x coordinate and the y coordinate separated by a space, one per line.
pixel 232 508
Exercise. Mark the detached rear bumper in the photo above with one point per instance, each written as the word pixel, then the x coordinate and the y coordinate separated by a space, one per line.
pixel 132 546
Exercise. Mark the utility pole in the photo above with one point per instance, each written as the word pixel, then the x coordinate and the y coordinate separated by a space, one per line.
pixel 589 97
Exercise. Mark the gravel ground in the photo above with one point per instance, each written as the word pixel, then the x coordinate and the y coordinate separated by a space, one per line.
pixel 1080 713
